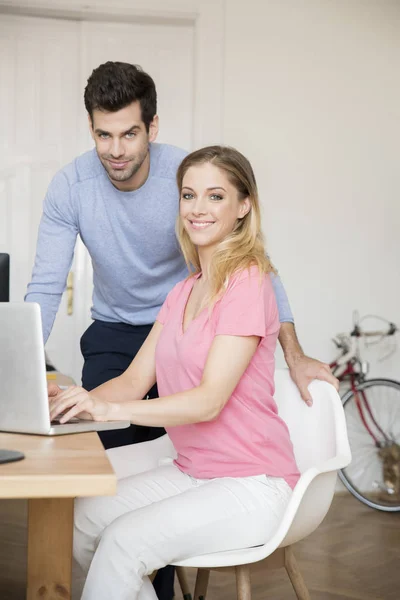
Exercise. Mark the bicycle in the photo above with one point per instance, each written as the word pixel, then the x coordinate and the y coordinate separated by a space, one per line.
pixel 372 410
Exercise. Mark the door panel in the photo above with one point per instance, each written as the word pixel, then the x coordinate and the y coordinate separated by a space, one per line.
pixel 39 59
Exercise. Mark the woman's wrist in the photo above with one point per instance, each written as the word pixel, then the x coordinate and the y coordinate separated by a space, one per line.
pixel 115 411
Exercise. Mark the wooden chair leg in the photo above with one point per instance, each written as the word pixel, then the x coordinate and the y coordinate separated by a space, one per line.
pixel 243 584
pixel 183 582
pixel 200 590
pixel 295 576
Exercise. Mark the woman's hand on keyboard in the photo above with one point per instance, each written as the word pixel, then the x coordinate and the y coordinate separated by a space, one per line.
pixel 77 402
pixel 53 390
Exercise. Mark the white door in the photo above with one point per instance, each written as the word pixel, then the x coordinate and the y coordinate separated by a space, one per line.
pixel 44 65
pixel 39 136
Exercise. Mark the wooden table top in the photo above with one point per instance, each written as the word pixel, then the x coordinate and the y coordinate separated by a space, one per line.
pixel 63 466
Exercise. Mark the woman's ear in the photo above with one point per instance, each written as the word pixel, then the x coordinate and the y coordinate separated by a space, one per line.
pixel 245 206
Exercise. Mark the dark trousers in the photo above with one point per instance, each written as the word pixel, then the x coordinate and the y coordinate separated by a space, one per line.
pixel 108 349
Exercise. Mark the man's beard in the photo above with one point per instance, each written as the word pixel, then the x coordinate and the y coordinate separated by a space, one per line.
pixel 126 174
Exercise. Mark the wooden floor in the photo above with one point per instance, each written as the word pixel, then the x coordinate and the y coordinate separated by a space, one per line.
pixel 353 555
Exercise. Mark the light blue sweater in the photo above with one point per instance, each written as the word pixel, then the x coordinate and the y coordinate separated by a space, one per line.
pixel 130 237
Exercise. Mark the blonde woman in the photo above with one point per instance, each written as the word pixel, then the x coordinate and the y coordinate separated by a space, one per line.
pixel 225 480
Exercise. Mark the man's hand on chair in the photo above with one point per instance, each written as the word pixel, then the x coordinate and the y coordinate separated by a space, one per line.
pixel 304 369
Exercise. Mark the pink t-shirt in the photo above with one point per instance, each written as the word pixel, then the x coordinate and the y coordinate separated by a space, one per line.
pixel 248 437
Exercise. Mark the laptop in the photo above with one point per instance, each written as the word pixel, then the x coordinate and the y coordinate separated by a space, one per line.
pixel 4 277
pixel 24 404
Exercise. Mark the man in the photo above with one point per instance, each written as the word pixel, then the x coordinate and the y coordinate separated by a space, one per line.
pixel 122 199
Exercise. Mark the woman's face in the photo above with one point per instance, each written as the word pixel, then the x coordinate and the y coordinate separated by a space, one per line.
pixel 209 205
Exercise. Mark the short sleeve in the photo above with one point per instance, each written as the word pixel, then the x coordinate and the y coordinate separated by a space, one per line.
pixel 170 300
pixel 282 301
pixel 248 306
pixel 163 313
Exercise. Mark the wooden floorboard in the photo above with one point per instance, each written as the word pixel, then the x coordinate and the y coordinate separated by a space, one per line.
pixel 353 555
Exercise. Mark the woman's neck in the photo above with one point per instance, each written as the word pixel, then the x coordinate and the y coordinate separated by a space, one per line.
pixel 205 259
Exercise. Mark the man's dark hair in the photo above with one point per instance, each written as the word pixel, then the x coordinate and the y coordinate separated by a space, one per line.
pixel 115 85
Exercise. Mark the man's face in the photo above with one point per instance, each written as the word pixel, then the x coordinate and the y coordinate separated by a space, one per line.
pixel 122 144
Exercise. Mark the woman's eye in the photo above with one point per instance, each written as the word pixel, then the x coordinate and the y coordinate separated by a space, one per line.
pixel 216 197
pixel 187 196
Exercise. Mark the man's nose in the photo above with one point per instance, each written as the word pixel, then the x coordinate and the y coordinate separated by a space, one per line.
pixel 117 149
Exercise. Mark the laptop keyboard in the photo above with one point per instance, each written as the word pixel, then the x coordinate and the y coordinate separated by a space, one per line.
pixel 56 421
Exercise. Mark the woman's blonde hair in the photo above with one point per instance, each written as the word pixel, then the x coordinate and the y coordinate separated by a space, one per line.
pixel 243 247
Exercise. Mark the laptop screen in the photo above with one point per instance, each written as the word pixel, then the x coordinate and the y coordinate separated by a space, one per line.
pixel 4 277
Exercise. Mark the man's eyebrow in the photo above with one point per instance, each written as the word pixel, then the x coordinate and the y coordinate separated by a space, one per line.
pixel 133 128
pixel 97 130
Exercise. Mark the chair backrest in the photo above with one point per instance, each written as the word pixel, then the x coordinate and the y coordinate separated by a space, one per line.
pixel 313 431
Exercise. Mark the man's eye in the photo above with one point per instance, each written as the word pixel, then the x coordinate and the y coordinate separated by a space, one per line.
pixel 103 136
pixel 130 135
pixel 216 197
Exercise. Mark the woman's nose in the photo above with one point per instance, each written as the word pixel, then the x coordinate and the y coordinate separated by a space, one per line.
pixel 199 206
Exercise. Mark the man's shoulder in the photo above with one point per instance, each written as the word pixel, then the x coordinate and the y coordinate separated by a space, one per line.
pixel 166 159
pixel 83 168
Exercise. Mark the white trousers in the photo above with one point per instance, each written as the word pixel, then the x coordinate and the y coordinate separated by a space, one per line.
pixel 161 515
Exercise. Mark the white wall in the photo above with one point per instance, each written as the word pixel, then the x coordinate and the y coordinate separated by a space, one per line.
pixel 312 97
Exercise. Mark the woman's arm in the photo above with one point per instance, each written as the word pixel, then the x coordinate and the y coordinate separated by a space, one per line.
pixel 139 377
pixel 227 360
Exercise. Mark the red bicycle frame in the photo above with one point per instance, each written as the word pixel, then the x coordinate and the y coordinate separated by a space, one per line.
pixel 352 375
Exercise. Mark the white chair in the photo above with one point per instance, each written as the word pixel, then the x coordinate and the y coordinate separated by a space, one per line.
pixel 321 447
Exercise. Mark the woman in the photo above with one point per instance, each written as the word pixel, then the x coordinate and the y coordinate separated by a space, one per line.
pixel 212 352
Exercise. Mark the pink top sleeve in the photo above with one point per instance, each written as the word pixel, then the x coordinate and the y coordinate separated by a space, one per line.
pixel 248 306
pixel 170 300
pixel 164 310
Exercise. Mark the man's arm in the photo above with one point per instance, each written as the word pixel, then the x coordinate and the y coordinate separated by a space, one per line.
pixel 303 369
pixel 54 251
pixel 285 312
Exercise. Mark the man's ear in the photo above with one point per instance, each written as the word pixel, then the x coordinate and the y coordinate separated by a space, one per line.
pixel 153 129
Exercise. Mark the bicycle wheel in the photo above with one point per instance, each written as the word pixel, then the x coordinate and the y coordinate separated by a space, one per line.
pixel 373 475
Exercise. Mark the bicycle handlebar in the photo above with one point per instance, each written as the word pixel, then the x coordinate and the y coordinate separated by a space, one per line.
pixel 357 332
pixel 348 343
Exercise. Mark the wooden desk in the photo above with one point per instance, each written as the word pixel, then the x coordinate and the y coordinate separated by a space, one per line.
pixel 55 471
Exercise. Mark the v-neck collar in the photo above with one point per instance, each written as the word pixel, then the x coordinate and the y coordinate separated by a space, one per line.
pixel 183 331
